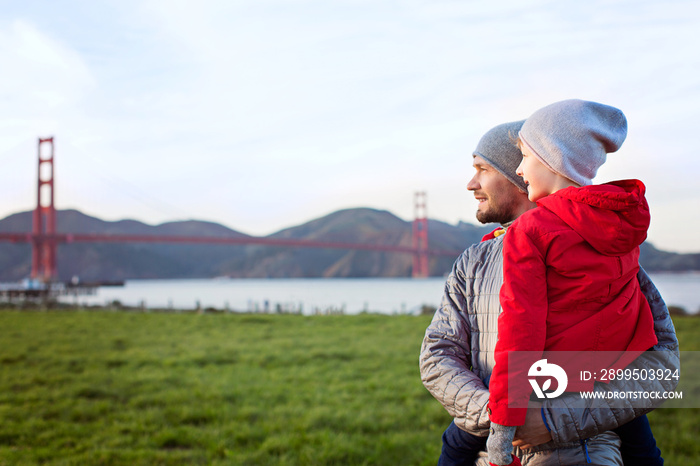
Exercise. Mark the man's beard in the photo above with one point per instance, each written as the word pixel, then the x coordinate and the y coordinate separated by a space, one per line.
pixel 498 212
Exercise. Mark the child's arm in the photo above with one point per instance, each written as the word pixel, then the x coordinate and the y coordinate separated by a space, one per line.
pixel 521 325
pixel 500 445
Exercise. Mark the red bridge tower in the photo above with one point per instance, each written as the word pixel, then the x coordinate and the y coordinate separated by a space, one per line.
pixel 44 219
pixel 420 237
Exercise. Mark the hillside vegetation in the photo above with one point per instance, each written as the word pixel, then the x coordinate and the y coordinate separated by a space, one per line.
pixel 114 261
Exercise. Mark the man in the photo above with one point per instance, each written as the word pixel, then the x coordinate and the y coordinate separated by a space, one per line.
pixel 457 354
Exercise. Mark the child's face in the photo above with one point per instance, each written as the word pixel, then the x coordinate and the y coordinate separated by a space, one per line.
pixel 541 181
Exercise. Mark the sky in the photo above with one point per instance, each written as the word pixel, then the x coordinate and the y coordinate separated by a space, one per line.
pixel 265 114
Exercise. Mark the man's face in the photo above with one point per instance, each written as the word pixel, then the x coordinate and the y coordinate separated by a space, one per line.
pixel 500 201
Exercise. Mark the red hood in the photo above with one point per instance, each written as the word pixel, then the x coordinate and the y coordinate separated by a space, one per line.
pixel 611 217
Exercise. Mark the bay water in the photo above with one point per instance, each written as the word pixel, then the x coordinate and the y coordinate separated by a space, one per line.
pixel 322 295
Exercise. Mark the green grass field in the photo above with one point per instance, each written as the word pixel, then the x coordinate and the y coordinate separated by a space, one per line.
pixel 154 388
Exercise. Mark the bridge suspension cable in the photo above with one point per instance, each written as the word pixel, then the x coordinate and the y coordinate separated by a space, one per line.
pixel 44 238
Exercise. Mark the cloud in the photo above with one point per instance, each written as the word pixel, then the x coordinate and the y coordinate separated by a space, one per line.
pixel 42 73
pixel 262 114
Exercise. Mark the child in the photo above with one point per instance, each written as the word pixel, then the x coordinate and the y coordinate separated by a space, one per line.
pixel 570 265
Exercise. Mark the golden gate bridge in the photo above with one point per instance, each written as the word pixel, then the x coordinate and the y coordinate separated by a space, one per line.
pixel 44 238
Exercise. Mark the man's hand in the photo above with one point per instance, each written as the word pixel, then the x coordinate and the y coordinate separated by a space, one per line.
pixel 533 432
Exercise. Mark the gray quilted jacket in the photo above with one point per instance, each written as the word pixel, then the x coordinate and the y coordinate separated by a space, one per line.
pixel 457 355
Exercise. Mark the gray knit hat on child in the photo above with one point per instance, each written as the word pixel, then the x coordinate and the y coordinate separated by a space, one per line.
pixel 498 148
pixel 572 137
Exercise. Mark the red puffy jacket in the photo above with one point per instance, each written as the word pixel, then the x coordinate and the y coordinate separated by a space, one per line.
pixel 570 284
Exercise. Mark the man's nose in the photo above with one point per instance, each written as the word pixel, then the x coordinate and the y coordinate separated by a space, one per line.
pixel 473 184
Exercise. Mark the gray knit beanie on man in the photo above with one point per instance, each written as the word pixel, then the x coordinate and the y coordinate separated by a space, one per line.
pixel 498 148
pixel 572 137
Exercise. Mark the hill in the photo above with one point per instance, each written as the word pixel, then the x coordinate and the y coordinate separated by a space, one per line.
pixel 361 225
pixel 114 261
